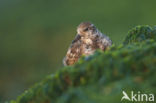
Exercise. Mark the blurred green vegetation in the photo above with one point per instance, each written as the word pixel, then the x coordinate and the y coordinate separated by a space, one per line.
pixel 102 77
pixel 35 34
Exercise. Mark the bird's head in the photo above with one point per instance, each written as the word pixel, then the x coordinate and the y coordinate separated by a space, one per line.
pixel 86 29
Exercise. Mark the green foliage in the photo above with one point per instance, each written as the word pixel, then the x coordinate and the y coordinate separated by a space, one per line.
pixel 102 77
pixel 139 34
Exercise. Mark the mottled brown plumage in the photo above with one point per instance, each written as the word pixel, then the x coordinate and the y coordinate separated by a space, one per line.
pixel 87 40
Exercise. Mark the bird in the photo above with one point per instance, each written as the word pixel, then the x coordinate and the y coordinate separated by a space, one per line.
pixel 87 40
pixel 125 96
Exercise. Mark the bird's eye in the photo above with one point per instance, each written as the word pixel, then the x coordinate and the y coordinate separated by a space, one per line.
pixel 86 29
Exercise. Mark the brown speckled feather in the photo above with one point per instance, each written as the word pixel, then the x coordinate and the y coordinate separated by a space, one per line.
pixel 74 51
pixel 86 42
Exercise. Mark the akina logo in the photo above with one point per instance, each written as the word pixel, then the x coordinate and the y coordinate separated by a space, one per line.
pixel 138 96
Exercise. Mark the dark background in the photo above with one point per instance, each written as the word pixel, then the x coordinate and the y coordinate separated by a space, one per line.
pixel 35 34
